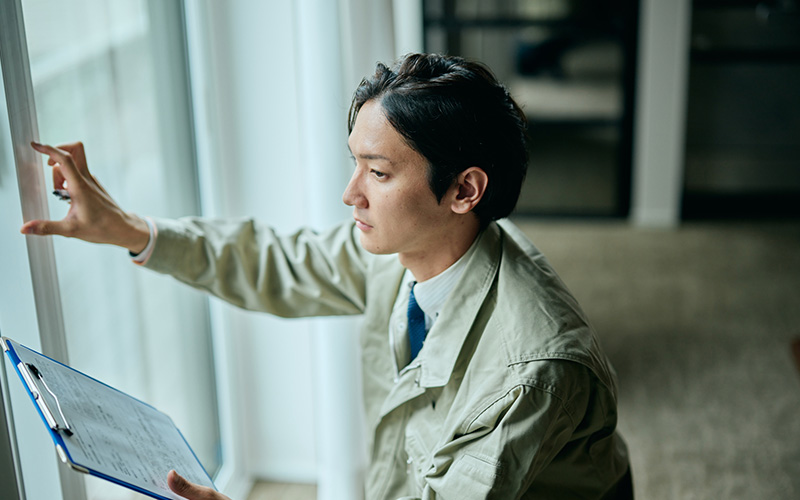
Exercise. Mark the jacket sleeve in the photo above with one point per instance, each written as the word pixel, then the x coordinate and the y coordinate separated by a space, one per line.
pixel 248 265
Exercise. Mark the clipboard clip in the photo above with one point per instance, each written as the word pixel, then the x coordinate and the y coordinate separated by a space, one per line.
pixel 29 369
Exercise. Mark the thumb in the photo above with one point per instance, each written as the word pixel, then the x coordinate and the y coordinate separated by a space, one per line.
pixel 178 484
pixel 43 227
pixel 189 490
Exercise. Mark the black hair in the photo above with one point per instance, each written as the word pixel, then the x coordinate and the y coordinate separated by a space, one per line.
pixel 457 115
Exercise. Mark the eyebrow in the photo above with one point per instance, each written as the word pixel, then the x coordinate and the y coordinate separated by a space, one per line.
pixel 370 156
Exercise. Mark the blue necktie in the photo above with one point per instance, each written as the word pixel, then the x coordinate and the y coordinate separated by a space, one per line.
pixel 416 325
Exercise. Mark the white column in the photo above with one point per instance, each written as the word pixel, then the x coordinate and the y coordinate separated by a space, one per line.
pixel 323 109
pixel 408 29
pixel 659 126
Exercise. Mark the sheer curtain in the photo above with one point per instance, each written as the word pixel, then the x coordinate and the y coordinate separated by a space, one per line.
pixel 278 78
pixel 100 72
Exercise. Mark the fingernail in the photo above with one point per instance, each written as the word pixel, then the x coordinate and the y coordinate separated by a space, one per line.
pixel 35 144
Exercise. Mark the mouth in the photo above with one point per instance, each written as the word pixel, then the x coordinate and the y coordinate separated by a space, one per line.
pixel 362 225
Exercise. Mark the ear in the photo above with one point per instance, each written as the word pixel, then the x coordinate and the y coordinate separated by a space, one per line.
pixel 469 189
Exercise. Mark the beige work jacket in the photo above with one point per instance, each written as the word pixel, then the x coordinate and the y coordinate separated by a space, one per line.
pixel 510 396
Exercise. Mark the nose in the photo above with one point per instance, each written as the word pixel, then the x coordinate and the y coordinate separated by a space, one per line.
pixel 353 195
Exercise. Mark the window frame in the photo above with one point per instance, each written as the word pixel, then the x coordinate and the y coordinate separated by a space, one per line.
pixel 38 320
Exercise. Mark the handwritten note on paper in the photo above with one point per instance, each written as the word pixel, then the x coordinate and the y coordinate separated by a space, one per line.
pixel 115 434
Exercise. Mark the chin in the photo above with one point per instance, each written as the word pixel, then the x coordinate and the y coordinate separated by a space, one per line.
pixel 373 247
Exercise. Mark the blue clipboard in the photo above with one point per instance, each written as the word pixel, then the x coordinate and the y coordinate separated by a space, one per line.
pixel 101 431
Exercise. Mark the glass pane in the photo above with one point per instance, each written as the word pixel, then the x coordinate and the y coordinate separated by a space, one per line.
pixel 92 64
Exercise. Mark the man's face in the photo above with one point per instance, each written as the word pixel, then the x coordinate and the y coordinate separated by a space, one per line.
pixel 392 202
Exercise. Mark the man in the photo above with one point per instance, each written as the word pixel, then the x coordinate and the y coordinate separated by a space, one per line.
pixel 482 377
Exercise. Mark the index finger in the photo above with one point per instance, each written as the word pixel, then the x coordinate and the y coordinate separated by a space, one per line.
pixel 68 168
pixel 78 153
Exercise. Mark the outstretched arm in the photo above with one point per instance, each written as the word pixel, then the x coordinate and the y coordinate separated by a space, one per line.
pixel 93 215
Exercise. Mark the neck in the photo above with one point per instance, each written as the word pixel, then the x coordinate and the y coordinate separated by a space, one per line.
pixel 442 253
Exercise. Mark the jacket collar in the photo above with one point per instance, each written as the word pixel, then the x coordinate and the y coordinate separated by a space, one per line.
pixel 436 362
pixel 444 342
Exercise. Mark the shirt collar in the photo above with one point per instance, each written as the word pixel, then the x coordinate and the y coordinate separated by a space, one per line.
pixel 432 293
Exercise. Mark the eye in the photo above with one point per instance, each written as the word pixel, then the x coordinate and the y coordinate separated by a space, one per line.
pixel 378 174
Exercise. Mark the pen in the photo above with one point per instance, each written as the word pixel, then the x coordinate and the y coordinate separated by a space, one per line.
pixel 62 194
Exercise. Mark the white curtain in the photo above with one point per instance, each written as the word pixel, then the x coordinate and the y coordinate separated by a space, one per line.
pixel 281 76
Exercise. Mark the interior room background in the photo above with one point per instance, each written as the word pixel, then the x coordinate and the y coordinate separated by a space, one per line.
pixel 644 112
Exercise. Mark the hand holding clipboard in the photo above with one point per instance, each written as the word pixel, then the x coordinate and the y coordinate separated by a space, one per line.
pixel 104 432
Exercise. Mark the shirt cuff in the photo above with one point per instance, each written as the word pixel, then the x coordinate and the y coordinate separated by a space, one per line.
pixel 141 257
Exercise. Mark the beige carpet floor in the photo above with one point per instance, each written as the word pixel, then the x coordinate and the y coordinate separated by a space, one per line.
pixel 699 324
